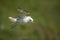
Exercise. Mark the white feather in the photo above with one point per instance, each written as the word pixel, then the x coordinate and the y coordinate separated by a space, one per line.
pixel 13 19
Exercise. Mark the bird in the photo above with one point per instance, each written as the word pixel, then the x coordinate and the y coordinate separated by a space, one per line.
pixel 26 19
pixel 22 17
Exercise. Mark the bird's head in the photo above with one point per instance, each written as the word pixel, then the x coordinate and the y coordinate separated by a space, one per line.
pixel 28 19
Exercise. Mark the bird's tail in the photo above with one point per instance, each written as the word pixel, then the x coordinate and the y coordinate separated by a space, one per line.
pixel 12 19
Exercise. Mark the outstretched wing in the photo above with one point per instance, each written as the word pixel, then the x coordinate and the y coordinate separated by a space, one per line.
pixel 13 25
pixel 22 12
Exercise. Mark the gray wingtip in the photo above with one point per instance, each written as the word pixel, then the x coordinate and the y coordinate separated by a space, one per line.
pixel 23 10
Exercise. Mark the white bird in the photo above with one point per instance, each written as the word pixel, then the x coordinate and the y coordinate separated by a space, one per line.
pixel 26 19
pixel 22 18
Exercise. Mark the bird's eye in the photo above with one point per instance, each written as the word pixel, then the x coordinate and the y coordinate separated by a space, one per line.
pixel 29 20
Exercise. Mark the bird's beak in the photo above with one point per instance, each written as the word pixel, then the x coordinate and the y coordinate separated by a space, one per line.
pixel 32 21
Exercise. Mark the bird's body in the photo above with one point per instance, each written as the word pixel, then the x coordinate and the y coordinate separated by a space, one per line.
pixel 24 20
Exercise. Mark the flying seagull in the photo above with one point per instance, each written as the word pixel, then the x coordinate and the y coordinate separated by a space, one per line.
pixel 22 18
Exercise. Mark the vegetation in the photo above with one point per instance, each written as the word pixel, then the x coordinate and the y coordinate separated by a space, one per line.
pixel 46 15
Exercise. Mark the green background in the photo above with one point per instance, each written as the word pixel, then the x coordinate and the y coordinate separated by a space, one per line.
pixel 46 15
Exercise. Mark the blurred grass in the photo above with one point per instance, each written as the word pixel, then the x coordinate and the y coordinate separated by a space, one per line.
pixel 46 15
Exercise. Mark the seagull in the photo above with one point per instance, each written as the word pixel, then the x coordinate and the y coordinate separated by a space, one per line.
pixel 26 19
pixel 22 18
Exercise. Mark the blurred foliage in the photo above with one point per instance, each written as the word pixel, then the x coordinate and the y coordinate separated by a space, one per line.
pixel 46 15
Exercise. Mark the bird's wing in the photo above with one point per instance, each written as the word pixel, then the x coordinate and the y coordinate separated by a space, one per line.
pixel 22 12
pixel 12 25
